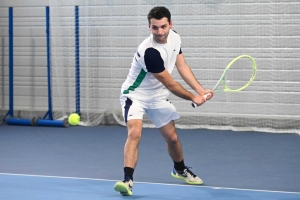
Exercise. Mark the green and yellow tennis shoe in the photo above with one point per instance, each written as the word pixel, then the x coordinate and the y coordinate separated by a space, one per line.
pixel 124 187
pixel 187 175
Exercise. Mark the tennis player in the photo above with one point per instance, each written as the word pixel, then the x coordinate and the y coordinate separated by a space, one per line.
pixel 146 90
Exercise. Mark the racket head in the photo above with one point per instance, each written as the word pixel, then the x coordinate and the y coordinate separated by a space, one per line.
pixel 238 75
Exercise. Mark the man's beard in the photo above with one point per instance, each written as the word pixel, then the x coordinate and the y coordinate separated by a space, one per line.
pixel 162 39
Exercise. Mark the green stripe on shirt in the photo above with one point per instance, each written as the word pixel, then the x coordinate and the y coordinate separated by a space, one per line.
pixel 137 81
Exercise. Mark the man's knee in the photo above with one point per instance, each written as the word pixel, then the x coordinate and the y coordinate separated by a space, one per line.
pixel 172 139
pixel 134 133
pixel 134 130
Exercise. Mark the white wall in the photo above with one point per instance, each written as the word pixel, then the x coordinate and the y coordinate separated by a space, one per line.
pixel 22 3
pixel 30 82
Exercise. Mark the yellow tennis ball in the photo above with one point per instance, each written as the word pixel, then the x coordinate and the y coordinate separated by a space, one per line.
pixel 74 119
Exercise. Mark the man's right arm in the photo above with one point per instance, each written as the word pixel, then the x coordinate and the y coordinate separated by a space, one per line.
pixel 165 78
pixel 155 65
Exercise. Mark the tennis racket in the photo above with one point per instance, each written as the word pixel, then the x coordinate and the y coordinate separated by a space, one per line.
pixel 237 76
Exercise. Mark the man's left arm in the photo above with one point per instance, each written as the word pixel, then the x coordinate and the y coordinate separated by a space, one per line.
pixel 188 76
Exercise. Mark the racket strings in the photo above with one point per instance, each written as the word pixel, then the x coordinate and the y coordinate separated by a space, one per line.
pixel 239 74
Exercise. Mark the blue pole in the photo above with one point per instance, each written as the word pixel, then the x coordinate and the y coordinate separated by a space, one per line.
pixel 77 60
pixel 22 122
pixel 49 122
pixel 10 114
pixel 52 123
pixel 49 113
pixel 11 63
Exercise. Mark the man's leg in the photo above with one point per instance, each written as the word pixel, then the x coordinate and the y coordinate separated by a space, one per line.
pixel 173 144
pixel 180 171
pixel 134 128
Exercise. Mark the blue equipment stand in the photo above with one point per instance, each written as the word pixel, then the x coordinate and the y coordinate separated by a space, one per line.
pixel 48 118
pixel 9 117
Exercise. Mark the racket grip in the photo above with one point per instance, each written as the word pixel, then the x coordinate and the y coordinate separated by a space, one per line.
pixel 195 105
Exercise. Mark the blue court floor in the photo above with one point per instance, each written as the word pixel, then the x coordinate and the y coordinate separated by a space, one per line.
pixel 84 163
pixel 50 188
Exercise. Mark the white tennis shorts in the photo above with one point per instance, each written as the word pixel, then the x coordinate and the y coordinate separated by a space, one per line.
pixel 159 115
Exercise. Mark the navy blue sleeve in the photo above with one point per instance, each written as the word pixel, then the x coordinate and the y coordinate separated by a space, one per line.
pixel 180 52
pixel 154 62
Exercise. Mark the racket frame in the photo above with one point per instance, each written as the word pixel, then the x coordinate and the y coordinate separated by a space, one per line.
pixel 222 79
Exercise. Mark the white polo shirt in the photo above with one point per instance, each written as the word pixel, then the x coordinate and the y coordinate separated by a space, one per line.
pixel 151 57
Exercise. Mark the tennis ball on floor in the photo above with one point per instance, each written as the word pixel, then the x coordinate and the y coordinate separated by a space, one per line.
pixel 74 119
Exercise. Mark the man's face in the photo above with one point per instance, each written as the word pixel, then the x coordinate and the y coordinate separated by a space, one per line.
pixel 160 29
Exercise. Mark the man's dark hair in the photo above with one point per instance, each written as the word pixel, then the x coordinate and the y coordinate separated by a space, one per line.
pixel 159 12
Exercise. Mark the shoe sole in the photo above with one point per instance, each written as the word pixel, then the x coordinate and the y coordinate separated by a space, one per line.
pixel 122 188
pixel 187 181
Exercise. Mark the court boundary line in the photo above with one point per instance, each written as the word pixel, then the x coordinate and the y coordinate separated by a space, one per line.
pixel 170 184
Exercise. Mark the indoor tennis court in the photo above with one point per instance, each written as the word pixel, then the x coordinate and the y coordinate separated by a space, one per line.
pixel 86 162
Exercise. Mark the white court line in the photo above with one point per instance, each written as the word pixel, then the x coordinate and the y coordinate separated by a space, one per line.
pixel 178 185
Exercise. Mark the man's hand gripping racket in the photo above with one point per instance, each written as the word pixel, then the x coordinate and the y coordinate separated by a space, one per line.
pixel 236 75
